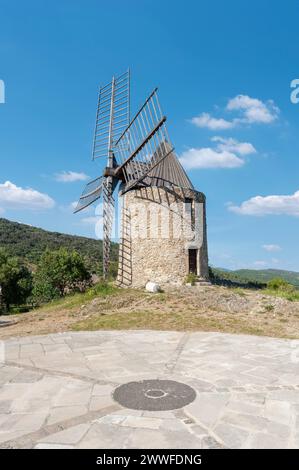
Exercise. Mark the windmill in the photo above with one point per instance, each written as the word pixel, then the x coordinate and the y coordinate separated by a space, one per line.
pixel 138 152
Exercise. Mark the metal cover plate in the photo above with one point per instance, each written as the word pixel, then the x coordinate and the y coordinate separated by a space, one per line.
pixel 154 395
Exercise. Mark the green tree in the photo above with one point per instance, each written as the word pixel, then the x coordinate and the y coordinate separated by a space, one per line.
pixel 15 281
pixel 59 272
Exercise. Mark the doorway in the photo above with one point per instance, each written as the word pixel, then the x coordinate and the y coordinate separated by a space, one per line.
pixel 193 261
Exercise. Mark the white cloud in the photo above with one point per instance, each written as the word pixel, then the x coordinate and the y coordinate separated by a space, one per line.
pixel 253 109
pixel 15 197
pixel 209 158
pixel 272 247
pixel 206 120
pixel 249 110
pixel 269 205
pixel 70 176
pixel 234 146
pixel 224 155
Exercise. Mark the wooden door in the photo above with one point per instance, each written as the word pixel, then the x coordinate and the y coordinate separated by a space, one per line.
pixel 193 261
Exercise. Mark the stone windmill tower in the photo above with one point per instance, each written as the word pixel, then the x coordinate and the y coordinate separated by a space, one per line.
pixel 163 228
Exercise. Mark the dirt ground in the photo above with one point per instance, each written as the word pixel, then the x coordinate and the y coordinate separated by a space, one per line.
pixel 209 308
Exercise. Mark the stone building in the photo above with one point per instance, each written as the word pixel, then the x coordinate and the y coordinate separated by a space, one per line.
pixel 163 232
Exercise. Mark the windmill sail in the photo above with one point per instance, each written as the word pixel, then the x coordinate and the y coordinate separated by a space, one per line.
pixel 113 114
pixel 91 193
pixel 112 118
pixel 143 144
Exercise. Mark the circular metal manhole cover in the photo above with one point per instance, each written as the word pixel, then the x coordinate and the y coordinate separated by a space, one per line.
pixel 154 395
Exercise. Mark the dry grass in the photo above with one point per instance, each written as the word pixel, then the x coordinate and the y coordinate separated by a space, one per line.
pixel 186 309
pixel 165 320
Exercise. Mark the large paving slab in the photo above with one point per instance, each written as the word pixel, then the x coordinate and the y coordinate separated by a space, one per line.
pixel 56 390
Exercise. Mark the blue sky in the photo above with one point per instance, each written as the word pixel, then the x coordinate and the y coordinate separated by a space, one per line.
pixel 224 71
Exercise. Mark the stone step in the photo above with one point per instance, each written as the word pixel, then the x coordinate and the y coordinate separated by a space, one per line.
pixel 202 282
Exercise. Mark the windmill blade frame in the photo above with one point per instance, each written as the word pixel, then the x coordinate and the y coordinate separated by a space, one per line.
pixel 112 116
pixel 147 171
pixel 91 193
pixel 142 146
pixel 108 218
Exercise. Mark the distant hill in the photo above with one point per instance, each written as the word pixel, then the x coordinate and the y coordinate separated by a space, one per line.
pixel 258 275
pixel 264 275
pixel 28 243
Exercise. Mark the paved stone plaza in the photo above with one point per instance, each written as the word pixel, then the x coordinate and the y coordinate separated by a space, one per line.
pixel 56 390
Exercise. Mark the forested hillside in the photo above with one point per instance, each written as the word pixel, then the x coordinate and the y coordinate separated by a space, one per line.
pixel 258 275
pixel 28 243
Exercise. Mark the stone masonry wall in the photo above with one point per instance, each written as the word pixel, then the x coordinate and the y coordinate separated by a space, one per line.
pixel 156 235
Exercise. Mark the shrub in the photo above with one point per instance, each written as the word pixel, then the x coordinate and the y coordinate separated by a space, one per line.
pixel 102 288
pixel 191 278
pixel 43 290
pixel 211 274
pixel 269 307
pixel 279 284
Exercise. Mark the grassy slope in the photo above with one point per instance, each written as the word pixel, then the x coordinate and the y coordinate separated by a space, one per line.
pixel 216 308
pixel 125 309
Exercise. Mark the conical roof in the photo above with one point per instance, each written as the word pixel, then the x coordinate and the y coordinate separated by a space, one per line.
pixel 167 173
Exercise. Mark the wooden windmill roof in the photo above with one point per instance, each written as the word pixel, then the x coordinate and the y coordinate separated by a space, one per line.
pixel 169 172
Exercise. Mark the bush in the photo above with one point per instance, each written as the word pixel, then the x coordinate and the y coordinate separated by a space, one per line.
pixel 279 284
pixel 102 288
pixel 43 290
pixel 191 278
pixel 211 274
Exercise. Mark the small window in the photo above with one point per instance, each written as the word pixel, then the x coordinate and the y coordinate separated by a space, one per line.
pixel 189 208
